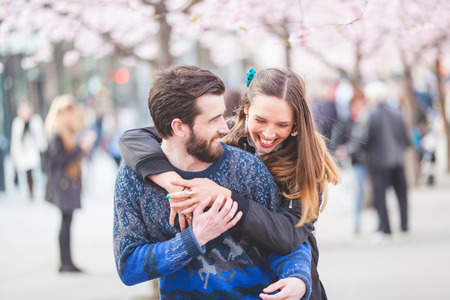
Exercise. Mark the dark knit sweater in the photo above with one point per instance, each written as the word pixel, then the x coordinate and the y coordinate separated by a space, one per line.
pixel 230 266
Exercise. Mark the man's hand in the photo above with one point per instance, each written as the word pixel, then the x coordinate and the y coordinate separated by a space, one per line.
pixel 291 288
pixel 218 219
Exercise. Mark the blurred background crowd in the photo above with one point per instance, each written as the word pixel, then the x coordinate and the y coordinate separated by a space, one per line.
pixel 103 54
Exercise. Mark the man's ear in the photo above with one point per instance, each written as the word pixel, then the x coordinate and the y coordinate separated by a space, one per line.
pixel 178 127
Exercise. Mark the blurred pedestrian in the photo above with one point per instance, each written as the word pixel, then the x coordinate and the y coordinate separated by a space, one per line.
pixel 324 111
pixel 27 143
pixel 3 146
pixel 347 143
pixel 428 163
pixel 63 167
pixel 386 140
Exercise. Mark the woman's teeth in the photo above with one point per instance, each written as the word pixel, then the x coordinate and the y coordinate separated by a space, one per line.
pixel 266 142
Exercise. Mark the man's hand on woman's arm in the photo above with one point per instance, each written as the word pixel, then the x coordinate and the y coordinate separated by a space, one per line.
pixel 219 218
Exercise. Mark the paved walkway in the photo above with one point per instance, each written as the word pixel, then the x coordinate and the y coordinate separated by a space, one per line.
pixel 354 268
pixel 29 253
pixel 351 268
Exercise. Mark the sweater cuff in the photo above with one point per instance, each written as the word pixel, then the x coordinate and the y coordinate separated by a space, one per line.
pixel 307 281
pixel 306 278
pixel 243 206
pixel 191 244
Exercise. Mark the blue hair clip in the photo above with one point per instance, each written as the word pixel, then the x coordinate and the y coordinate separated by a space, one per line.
pixel 250 74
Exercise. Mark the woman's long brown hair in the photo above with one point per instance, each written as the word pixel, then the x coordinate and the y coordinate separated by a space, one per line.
pixel 303 166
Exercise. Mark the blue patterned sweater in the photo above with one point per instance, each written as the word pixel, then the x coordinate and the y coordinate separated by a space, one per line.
pixel 228 267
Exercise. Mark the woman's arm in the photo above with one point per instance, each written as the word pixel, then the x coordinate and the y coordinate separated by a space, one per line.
pixel 274 231
pixel 141 151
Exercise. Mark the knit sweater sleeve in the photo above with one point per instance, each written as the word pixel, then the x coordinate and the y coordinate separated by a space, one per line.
pixel 138 254
pixel 297 264
pixel 262 187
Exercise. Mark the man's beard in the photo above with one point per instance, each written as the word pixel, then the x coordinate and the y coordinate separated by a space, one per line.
pixel 203 149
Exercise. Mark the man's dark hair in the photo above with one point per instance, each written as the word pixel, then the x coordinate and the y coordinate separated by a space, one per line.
pixel 173 94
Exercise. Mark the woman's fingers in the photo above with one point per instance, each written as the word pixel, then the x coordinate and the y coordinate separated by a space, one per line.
pixel 186 203
pixel 172 217
pixel 182 221
pixel 180 195
pixel 181 182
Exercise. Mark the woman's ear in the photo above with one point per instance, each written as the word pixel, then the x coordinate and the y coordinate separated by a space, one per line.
pixel 246 111
pixel 178 127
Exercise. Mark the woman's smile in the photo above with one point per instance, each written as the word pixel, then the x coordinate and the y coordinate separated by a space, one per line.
pixel 270 121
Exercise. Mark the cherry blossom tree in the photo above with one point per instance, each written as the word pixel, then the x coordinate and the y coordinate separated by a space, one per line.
pixel 133 29
pixel 354 39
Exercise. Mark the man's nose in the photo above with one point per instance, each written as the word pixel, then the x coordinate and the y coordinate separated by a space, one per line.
pixel 223 129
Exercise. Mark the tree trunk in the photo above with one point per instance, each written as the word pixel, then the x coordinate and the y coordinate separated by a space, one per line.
pixel 164 58
pixel 288 54
pixel 441 97
pixel 409 112
pixel 357 77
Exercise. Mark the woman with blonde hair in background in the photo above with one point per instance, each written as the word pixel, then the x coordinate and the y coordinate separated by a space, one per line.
pixel 66 148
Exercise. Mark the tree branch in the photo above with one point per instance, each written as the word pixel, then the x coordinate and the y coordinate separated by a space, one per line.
pixel 328 63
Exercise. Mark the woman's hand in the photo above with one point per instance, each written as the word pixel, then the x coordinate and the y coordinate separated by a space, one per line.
pixel 182 217
pixel 196 189
pixel 163 179
pixel 291 288
pixel 218 219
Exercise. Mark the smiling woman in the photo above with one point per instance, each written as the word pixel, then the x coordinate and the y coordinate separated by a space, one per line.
pixel 270 121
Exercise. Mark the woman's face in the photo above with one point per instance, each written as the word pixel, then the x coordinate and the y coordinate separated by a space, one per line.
pixel 71 117
pixel 270 121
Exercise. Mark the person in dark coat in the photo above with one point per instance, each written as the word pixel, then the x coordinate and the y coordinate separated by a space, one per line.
pixel 386 140
pixel 63 168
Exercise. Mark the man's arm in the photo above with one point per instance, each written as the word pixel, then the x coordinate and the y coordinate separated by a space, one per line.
pixel 294 265
pixel 138 253
pixel 139 257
